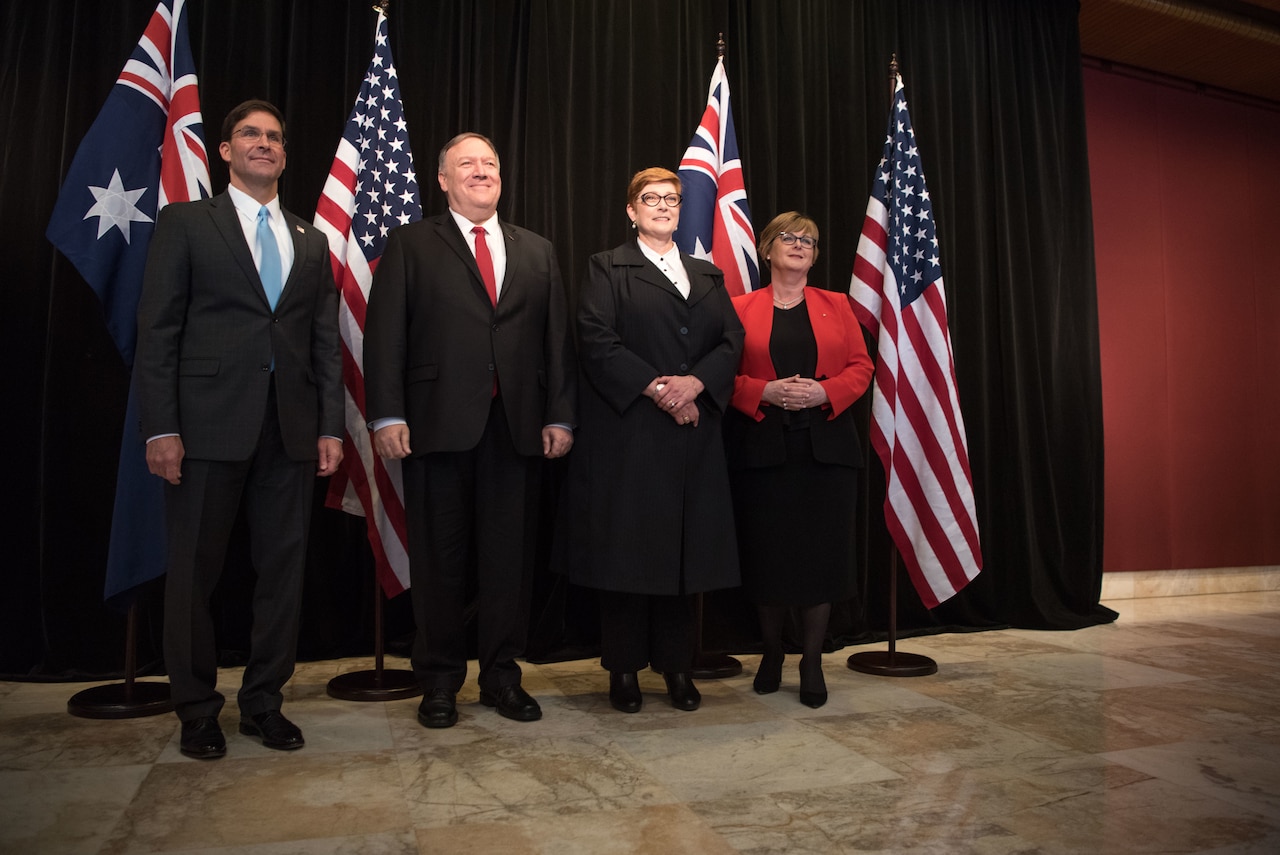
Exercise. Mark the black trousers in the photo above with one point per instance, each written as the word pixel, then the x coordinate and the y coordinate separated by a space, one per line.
pixel 638 630
pixel 200 513
pixel 471 512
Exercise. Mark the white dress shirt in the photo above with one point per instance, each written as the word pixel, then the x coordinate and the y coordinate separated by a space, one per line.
pixel 247 207
pixel 670 265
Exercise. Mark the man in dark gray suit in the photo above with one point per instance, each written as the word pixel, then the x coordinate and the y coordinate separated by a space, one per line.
pixel 468 351
pixel 240 379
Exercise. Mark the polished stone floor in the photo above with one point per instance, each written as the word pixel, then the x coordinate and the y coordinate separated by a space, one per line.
pixel 1159 733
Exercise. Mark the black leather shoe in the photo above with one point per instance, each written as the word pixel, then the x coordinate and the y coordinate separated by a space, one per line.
pixel 624 691
pixel 768 675
pixel 813 686
pixel 684 695
pixel 439 708
pixel 203 739
pixel 274 730
pixel 512 702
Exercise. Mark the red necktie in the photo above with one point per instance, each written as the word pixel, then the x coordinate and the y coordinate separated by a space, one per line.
pixel 485 262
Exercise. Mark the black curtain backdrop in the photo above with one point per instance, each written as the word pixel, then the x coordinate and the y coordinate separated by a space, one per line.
pixel 577 95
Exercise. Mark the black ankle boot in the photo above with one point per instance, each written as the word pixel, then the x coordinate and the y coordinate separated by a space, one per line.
pixel 684 695
pixel 624 691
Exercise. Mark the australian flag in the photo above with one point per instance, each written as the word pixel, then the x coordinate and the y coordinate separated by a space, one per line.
pixel 715 222
pixel 145 150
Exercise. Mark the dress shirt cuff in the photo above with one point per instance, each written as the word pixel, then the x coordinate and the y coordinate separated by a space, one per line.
pixel 378 424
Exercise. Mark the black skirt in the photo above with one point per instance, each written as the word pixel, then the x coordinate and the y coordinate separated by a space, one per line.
pixel 796 534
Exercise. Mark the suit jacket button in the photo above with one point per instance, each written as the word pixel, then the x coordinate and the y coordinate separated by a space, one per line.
pixel 266 366
pixel 684 331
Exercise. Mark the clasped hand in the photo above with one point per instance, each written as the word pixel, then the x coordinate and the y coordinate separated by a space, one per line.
pixel 794 393
pixel 676 395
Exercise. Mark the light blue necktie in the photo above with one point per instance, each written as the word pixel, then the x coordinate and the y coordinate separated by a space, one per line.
pixel 270 266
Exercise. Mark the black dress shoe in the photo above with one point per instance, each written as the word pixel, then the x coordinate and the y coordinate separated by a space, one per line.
pixel 274 730
pixel 624 691
pixel 439 708
pixel 512 702
pixel 202 739
pixel 813 686
pixel 768 675
pixel 684 695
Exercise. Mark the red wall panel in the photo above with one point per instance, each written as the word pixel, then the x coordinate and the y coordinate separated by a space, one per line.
pixel 1185 188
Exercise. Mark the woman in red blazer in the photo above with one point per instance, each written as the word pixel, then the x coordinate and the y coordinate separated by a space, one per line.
pixel 793 449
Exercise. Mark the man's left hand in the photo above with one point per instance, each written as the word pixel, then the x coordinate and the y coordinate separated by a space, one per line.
pixel 330 456
pixel 556 441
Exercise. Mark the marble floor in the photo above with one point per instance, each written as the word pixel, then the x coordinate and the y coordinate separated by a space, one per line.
pixel 1159 733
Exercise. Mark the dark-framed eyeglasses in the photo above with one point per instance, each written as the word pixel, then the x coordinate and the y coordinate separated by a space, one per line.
pixel 253 135
pixel 672 200
pixel 804 240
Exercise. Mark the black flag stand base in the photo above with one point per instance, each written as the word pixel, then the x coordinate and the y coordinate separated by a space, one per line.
pixel 380 684
pixel 129 699
pixel 891 663
pixel 711 666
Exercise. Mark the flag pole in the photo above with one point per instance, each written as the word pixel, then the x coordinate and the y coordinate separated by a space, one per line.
pixel 379 683
pixel 129 699
pixel 891 663
pixel 711 666
pixel 115 158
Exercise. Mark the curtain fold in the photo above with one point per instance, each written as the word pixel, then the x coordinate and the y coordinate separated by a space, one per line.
pixel 578 95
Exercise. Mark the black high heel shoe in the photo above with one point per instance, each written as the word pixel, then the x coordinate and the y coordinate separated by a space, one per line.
pixel 768 675
pixel 813 686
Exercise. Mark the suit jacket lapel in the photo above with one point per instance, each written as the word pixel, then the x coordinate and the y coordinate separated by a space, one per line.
pixel 757 318
pixel 699 285
pixel 297 233
pixel 512 246
pixel 223 211
pixel 647 271
pixel 447 227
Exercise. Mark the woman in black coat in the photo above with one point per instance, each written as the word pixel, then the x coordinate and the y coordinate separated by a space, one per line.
pixel 649 519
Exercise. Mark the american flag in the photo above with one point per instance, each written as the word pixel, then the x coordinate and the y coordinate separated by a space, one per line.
pixel 144 150
pixel 371 189
pixel 916 426
pixel 715 222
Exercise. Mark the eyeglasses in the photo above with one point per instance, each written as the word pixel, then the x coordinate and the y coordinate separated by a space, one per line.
pixel 252 134
pixel 672 200
pixel 804 240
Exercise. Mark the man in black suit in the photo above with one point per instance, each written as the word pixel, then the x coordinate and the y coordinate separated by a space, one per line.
pixel 240 379
pixel 468 351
